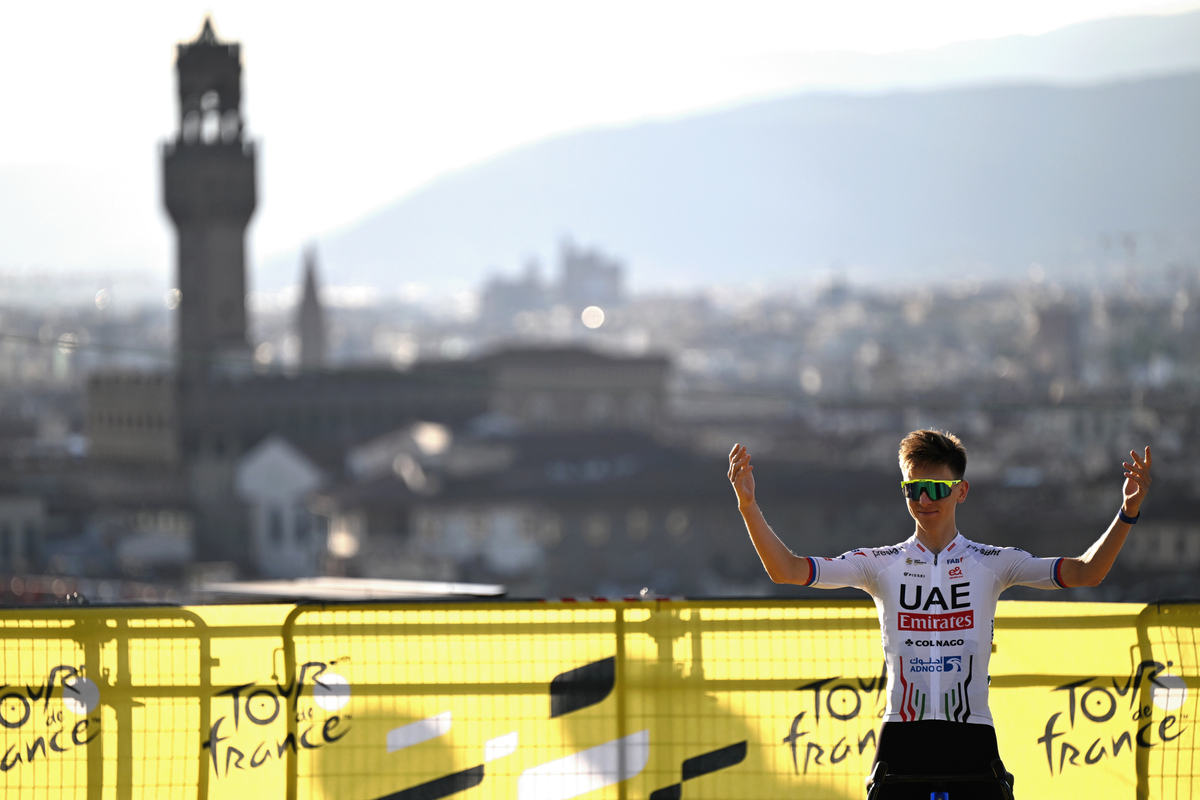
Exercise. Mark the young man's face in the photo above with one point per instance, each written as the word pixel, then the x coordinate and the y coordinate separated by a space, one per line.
pixel 929 513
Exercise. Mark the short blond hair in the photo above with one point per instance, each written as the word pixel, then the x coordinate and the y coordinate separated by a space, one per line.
pixel 930 448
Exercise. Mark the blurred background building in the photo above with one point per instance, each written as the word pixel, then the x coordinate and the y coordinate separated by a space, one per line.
pixel 562 434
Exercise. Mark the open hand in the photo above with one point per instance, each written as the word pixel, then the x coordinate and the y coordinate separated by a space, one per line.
pixel 1137 482
pixel 741 474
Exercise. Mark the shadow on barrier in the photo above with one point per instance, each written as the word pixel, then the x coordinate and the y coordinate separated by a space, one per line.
pixel 661 700
pixel 87 741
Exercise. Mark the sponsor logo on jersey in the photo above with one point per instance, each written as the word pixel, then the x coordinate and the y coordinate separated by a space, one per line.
pixel 953 561
pixel 942 664
pixel 886 551
pixel 859 553
pixel 934 642
pixel 958 621
pixel 985 551
pixel 960 596
pixel 914 561
pixel 956 572
pixel 913 575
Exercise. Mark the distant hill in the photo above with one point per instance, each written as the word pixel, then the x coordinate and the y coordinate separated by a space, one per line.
pixel 908 185
pixel 1096 51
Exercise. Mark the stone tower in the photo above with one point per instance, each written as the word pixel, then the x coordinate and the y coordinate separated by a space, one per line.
pixel 209 191
pixel 310 318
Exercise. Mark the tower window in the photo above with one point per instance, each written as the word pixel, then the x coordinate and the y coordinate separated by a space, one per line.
pixel 210 127
pixel 191 126
pixel 229 126
pixel 210 123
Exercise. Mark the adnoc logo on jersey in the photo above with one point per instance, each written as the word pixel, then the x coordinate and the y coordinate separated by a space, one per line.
pixel 961 620
pixel 943 664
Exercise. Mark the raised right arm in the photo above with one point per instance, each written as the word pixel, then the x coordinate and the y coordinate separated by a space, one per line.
pixel 782 565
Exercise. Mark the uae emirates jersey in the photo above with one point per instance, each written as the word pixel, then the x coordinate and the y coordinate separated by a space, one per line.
pixel 937 614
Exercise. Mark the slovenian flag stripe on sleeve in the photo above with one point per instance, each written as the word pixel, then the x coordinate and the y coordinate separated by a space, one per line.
pixel 1057 574
pixel 812 571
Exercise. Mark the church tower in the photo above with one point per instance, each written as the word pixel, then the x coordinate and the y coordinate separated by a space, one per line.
pixel 310 318
pixel 209 191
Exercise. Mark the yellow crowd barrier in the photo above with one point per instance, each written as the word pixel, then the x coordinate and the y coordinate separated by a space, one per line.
pixel 550 701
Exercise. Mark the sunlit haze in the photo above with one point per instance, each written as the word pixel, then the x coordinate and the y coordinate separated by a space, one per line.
pixel 358 104
pixel 474 311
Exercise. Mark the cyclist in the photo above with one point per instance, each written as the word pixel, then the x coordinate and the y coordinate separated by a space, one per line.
pixel 936 594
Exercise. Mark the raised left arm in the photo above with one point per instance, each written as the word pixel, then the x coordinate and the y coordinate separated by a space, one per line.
pixel 1090 568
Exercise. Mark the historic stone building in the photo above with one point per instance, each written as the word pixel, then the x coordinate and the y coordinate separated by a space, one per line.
pixel 209 191
pixel 188 430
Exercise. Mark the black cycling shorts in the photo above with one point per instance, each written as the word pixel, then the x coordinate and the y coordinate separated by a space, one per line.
pixel 938 747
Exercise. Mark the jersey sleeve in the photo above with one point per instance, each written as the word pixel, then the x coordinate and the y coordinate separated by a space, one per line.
pixel 1023 569
pixel 853 568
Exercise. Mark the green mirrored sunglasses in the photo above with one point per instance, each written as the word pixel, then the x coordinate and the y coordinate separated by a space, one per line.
pixel 935 489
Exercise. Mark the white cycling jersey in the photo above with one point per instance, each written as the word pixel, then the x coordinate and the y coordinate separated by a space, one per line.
pixel 936 615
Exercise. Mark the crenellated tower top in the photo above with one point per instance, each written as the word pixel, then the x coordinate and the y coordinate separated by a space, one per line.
pixel 210 89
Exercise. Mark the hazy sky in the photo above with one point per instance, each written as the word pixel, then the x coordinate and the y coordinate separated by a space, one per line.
pixel 357 104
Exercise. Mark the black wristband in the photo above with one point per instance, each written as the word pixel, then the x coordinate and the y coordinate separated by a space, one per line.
pixel 1127 520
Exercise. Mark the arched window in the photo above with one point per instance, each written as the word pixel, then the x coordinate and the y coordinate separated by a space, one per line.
pixel 229 126
pixel 191 127
pixel 210 124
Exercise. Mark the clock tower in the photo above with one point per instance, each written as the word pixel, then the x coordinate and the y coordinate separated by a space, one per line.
pixel 209 192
